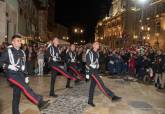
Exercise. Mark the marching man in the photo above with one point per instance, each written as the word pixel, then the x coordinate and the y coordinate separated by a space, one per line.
pixel 13 61
pixel 72 65
pixel 55 62
pixel 92 65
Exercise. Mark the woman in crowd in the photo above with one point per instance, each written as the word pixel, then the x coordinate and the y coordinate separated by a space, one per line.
pixel 40 58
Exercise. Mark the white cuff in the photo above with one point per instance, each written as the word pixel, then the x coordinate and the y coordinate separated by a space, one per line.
pixel 27 80
pixel 92 66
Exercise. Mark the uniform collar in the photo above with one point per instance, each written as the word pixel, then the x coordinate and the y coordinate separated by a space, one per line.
pixel 14 49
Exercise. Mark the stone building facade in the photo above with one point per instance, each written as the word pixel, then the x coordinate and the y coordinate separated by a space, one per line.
pixel 25 17
pixel 9 19
pixel 131 23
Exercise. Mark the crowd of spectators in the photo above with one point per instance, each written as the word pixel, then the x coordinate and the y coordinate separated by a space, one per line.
pixel 139 62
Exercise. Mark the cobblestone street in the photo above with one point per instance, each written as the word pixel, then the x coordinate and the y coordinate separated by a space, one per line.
pixel 73 101
pixel 137 98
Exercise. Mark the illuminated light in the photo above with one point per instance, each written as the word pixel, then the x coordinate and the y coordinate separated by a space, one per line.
pixel 75 30
pixel 81 31
pixel 148 38
pixel 135 36
pixel 144 37
pixel 142 1
pixel 157 15
pixel 75 43
pixel 106 18
pixel 148 28
pixel 148 18
pixel 100 24
pixel 142 27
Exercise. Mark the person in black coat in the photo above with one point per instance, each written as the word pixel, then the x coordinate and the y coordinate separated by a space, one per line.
pixel 92 64
pixel 56 63
pixel 158 69
pixel 13 61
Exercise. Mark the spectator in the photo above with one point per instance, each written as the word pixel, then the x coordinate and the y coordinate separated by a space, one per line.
pixel 40 58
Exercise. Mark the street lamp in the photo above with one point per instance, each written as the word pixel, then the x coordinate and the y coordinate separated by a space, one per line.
pixel 142 1
pixel 144 37
pixel 78 33
pixel 78 30
pixel 75 30
pixel 81 31
pixel 142 27
pixel 148 28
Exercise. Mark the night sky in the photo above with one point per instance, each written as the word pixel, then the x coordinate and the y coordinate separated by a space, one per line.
pixel 81 13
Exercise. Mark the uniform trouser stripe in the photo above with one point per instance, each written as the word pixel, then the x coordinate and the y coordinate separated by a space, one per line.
pixel 63 73
pixel 24 90
pixel 76 72
pixel 100 85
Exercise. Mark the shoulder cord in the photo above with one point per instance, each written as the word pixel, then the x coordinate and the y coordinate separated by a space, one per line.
pixel 52 53
pixel 11 58
pixel 71 56
pixel 91 58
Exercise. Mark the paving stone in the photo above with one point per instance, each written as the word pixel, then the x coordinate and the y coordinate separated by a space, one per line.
pixel 140 105
pixel 73 101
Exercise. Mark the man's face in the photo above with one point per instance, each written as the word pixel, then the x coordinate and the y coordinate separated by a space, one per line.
pixel 56 41
pixel 72 47
pixel 96 45
pixel 17 42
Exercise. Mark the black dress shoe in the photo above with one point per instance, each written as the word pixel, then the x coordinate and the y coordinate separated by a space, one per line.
pixel 43 105
pixel 160 87
pixel 116 98
pixel 69 87
pixel 86 80
pixel 92 104
pixel 53 95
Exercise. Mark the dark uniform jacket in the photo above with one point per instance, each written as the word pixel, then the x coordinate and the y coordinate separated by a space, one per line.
pixel 95 59
pixel 71 57
pixel 17 54
pixel 52 53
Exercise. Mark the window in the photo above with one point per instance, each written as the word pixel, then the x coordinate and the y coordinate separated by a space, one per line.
pixel 158 27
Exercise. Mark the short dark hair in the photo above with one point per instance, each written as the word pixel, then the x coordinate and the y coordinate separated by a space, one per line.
pixel 15 36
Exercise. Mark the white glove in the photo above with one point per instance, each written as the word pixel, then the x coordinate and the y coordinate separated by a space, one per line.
pixel 23 68
pixel 148 70
pixel 92 66
pixel 111 62
pixel 87 76
pixel 54 59
pixel 27 80
pixel 62 67
pixel 72 60
pixel 13 67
